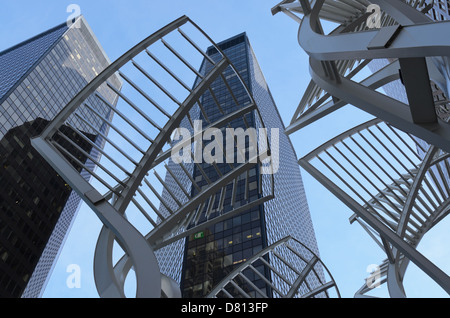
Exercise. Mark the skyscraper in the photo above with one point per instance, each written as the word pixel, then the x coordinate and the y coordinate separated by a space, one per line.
pixel 38 78
pixel 213 253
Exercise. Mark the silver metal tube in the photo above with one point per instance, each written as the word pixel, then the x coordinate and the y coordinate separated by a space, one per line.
pixel 107 139
pixel 151 204
pixel 144 94
pixel 82 165
pixel 137 109
pixel 144 213
pixel 167 188
pixel 196 46
pixel 168 71
pixel 100 150
pixel 158 196
pixel 182 59
pixel 127 120
pixel 122 134
pixel 88 156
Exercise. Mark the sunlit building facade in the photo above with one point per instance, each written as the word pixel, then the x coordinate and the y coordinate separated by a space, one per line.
pixel 38 78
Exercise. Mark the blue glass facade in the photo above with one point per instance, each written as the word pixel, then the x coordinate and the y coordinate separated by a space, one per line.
pixel 17 61
pixel 38 78
pixel 210 258
pixel 213 253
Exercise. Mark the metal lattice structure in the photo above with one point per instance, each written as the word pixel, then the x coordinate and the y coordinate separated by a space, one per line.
pixel 294 280
pixel 398 194
pixel 393 171
pixel 124 192
pixel 406 34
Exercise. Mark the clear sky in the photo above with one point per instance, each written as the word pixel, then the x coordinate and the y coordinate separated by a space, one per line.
pixel 345 249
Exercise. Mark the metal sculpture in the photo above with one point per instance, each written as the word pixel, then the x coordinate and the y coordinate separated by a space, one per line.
pixel 397 195
pixel 396 184
pixel 407 35
pixel 123 193
pixel 287 281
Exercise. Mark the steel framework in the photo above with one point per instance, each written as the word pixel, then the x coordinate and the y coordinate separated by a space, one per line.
pixel 122 184
pixel 123 193
pixel 294 280
pixel 396 184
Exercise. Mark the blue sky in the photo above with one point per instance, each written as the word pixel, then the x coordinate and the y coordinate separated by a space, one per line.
pixel 345 249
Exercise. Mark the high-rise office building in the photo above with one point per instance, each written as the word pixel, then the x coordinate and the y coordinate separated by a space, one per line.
pixel 37 79
pixel 208 256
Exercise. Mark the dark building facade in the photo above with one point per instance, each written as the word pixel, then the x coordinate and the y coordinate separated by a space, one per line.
pixel 208 256
pixel 38 78
pixel 212 254
pixel 32 197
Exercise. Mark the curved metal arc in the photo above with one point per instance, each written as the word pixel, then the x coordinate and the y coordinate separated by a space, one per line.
pixel 310 264
pixel 422 262
pixel 149 160
pixel 114 285
pixel 170 288
pixel 302 277
pixel 397 272
pixel 346 46
pixel 137 247
pixel 390 274
pixel 340 137
pixel 115 282
pixel 236 271
pixel 107 282
pixel 162 138
pixel 403 13
pixel 310 37
pixel 144 261
pixel 111 283
pixel 381 106
pixel 440 213
pixel 394 281
pixel 415 187
pixel 106 74
pixel 398 264
pixel 376 80
pixel 408 200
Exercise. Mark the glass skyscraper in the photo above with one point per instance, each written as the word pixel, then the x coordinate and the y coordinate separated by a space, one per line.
pixel 201 261
pixel 37 79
